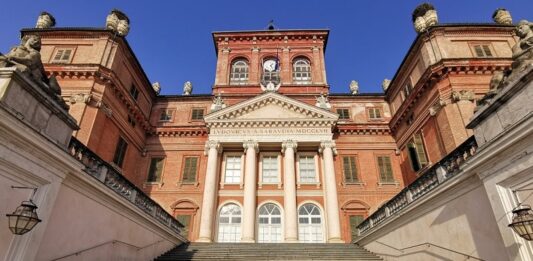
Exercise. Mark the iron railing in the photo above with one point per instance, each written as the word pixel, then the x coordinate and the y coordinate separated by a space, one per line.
pixel 111 178
pixel 433 177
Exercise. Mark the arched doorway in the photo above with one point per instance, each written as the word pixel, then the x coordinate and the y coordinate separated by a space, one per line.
pixel 269 224
pixel 310 224
pixel 229 223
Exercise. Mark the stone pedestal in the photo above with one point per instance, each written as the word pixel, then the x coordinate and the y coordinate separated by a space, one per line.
pixel 27 101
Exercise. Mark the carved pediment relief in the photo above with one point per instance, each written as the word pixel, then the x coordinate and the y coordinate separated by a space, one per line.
pixel 271 108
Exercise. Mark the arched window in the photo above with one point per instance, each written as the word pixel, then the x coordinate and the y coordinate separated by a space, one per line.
pixel 310 224
pixel 229 223
pixel 239 72
pixel 269 227
pixel 301 71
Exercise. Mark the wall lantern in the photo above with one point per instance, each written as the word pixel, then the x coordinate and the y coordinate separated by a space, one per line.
pixel 522 222
pixel 24 218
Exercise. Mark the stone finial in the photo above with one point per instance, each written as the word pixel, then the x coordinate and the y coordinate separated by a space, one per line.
pixel 424 16
pixel 118 22
pixel 385 84
pixel 45 20
pixel 354 87
pixel 502 16
pixel 187 88
pixel 157 87
pixel 322 102
pixel 218 103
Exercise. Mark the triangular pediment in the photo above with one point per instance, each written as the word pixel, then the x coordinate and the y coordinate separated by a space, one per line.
pixel 272 108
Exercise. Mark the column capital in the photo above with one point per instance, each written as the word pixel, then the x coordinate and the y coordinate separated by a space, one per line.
pixel 325 144
pixel 249 144
pixel 212 144
pixel 292 144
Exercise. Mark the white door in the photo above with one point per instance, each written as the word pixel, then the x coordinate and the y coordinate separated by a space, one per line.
pixel 269 227
pixel 229 223
pixel 310 224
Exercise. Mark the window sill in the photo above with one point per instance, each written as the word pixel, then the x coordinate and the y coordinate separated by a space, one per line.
pixel 260 184
pixel 222 185
pixel 388 183
pixel 376 119
pixel 317 184
pixel 353 184
pixel 154 183
pixel 194 184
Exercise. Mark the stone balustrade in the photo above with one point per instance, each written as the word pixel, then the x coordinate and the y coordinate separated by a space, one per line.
pixel 433 177
pixel 109 176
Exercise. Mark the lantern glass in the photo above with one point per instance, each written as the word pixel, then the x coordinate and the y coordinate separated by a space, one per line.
pixel 522 222
pixel 23 219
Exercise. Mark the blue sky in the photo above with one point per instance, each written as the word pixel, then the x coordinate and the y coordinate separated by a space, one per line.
pixel 172 39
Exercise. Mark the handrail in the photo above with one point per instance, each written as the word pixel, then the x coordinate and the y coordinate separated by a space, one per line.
pixel 106 243
pixel 113 179
pixel 430 179
pixel 429 245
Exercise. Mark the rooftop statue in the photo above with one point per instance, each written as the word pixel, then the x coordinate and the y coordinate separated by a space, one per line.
pixel 323 102
pixel 354 87
pixel 523 50
pixel 385 84
pixel 218 103
pixel 26 58
pixel 187 88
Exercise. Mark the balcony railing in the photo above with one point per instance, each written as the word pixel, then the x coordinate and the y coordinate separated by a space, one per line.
pixel 110 177
pixel 439 173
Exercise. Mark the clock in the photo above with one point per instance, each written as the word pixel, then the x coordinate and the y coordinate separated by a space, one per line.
pixel 269 65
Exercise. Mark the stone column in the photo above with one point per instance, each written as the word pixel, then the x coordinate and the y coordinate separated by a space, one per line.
pixel 250 183
pixel 288 148
pixel 212 149
pixel 327 148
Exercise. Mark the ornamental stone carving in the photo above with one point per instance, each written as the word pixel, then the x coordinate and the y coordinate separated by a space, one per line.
pixel 424 16
pixel 502 16
pixel 157 87
pixel 218 103
pixel 462 95
pixel 118 22
pixel 80 97
pixel 250 144
pixel 354 87
pixel 385 84
pixel 523 50
pixel 45 20
pixel 289 144
pixel 325 144
pixel 433 110
pixel 323 102
pixel 187 88
pixel 212 144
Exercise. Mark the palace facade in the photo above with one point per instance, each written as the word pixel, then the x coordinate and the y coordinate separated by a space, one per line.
pixel 271 155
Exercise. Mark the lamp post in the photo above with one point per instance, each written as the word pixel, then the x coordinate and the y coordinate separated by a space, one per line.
pixel 522 222
pixel 24 218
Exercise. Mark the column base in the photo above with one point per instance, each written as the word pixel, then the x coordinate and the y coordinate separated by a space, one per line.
pixel 204 240
pixel 335 240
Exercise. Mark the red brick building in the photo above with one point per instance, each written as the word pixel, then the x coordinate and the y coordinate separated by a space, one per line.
pixel 271 155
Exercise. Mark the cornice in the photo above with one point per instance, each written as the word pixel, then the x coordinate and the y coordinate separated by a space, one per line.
pixel 179 132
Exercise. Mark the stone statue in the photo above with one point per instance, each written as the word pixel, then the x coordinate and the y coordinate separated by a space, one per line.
pixel 187 88
pixel 424 16
pixel 322 102
pixel 385 84
pixel 157 87
pixel 354 87
pixel 45 20
pixel 218 103
pixel 26 58
pixel 524 30
pixel 502 16
pixel 118 22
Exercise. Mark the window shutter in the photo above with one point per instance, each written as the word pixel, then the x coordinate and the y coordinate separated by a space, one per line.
pixel 385 169
pixel 58 55
pixel 354 222
pixel 488 53
pixel 190 168
pixel 479 51
pixel 420 151
pixel 350 170
pixel 156 168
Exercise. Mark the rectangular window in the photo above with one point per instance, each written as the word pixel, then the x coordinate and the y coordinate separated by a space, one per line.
pixel 166 115
pixel 354 222
pixel 233 170
pixel 344 114
pixel 407 88
pixel 62 55
pixel 374 113
pixel 120 152
pixel 134 92
pixel 417 152
pixel 307 169
pixel 156 169
pixel 350 170
pixel 197 114
pixel 185 220
pixel 189 169
pixel 270 169
pixel 482 50
pixel 385 169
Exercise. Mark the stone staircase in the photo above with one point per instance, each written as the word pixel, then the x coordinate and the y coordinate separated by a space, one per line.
pixel 255 252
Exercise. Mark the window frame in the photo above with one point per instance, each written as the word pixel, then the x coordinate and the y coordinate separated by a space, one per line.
pixel 357 179
pixel 368 113
pixel 380 180
pixel 412 144
pixel 134 92
pixel 482 45
pixel 161 111
pixel 160 181
pixel 63 48
pixel 303 80
pixel 317 169
pixel 120 156
pixel 278 161
pixel 192 113
pixel 239 81
pixel 349 113
pixel 224 164
pixel 184 164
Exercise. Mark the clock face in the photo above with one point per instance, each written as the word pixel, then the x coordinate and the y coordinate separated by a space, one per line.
pixel 269 65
